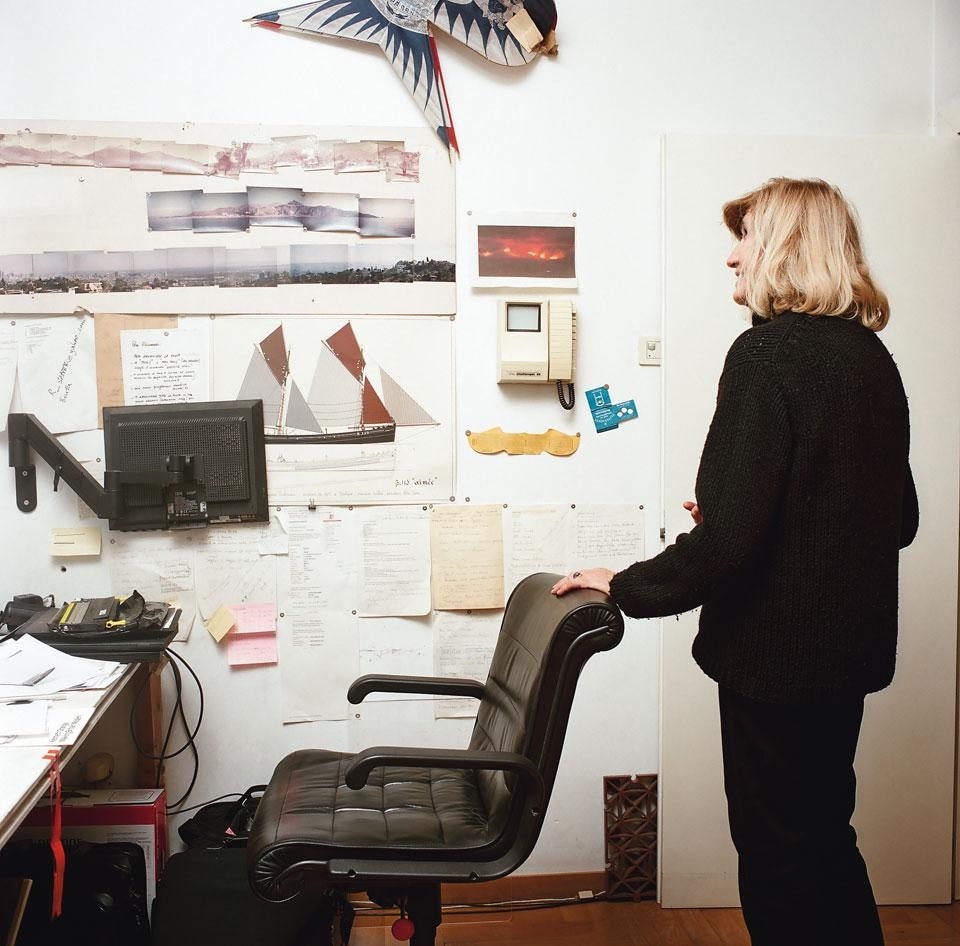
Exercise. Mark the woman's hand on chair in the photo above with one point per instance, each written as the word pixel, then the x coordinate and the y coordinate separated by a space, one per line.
pixel 596 578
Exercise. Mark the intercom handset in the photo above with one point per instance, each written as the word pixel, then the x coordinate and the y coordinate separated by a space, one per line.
pixel 537 343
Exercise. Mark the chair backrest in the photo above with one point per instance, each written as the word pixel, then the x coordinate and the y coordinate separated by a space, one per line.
pixel 543 645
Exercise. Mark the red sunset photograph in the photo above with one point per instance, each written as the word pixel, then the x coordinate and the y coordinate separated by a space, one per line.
pixel 530 252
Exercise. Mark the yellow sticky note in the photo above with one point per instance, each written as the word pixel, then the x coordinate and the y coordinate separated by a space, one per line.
pixel 220 623
pixel 67 543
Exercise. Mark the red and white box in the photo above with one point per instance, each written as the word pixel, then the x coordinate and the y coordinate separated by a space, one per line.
pixel 104 815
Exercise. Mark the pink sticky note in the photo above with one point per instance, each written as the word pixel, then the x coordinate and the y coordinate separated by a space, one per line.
pixel 255 618
pixel 247 650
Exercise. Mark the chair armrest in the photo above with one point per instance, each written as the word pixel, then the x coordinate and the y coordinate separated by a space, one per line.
pixel 394 683
pixel 359 769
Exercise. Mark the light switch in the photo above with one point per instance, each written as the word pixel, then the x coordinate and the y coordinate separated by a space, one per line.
pixel 651 347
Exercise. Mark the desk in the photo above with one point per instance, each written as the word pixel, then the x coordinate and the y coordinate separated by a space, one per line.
pixel 24 773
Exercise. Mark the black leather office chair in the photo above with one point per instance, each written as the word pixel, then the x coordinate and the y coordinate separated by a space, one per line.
pixel 398 822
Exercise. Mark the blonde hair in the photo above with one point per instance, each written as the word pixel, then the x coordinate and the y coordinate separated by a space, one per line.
pixel 807 254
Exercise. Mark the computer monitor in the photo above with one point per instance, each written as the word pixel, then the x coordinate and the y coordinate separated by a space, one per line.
pixel 225 482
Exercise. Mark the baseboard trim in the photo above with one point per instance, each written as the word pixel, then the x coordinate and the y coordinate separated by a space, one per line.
pixel 518 887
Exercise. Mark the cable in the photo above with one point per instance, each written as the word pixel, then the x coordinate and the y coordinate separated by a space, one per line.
pixel 178 709
pixel 209 801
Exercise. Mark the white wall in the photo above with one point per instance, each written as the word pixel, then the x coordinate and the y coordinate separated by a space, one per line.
pixel 578 133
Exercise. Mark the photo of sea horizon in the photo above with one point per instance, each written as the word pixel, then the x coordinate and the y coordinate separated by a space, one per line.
pixel 220 213
pixel 170 210
pixel 331 212
pixel 386 217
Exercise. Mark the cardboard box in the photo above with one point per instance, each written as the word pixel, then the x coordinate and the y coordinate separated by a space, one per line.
pixel 105 815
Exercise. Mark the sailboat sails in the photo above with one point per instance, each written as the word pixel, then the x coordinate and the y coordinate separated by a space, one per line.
pixel 341 406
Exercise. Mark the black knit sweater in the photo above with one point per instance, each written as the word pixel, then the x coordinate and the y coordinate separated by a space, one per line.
pixel 807 498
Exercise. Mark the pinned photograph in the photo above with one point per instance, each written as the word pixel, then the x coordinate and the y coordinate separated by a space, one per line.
pixel 326 154
pixel 386 217
pixel 186 159
pixel 190 266
pixel 297 151
pixel 170 210
pixel 317 262
pixel 219 213
pixel 532 250
pixel 149 269
pixel 260 157
pixel 147 155
pixel 229 161
pixel 51 271
pixel 408 168
pixel 275 206
pixel 72 150
pixel 25 148
pixel 254 267
pixel 339 213
pixel 353 156
pixel 111 153
pixel 16 273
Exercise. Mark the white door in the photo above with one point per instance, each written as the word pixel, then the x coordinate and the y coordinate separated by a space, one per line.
pixel 907 191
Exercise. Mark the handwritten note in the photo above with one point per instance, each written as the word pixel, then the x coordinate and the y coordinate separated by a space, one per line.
pixel 163 366
pixel 56 371
pixel 107 330
pixel 609 535
pixel 230 567
pixel 161 567
pixel 396 645
pixel 535 539
pixel 464 646
pixel 394 561
pixel 249 650
pixel 255 618
pixel 466 546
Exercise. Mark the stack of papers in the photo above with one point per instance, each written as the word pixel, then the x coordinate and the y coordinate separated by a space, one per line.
pixel 35 680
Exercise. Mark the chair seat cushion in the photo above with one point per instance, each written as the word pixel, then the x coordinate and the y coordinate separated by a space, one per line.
pixel 308 802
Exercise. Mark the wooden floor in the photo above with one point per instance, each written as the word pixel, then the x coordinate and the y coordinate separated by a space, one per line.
pixel 644 924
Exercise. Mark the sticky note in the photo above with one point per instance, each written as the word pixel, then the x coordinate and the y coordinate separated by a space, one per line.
pixel 246 650
pixel 255 618
pixel 220 623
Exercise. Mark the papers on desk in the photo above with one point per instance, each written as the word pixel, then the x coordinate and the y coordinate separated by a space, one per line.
pixel 30 668
pixel 37 713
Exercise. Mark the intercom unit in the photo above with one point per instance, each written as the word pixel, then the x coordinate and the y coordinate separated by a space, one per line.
pixel 536 342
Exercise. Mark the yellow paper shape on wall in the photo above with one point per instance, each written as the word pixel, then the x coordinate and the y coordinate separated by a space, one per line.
pixel 550 441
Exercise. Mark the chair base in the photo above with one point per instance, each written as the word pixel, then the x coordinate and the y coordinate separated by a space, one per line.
pixel 420 902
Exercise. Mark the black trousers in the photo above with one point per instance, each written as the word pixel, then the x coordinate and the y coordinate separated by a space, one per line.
pixel 791 790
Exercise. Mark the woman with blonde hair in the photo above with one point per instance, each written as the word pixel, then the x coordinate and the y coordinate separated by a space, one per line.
pixel 804 498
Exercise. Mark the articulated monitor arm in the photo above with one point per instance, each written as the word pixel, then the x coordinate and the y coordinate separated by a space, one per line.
pixel 24 432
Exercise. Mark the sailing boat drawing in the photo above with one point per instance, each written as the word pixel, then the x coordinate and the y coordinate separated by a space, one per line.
pixel 341 406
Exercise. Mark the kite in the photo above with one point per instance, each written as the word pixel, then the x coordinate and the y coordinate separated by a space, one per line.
pixel 508 32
